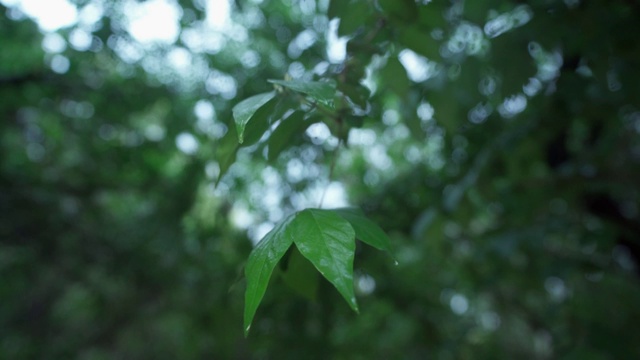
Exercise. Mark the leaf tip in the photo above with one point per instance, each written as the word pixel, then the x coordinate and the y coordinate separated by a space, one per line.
pixel 354 304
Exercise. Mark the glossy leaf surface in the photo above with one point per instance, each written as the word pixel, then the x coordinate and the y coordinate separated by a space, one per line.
pixel 300 275
pixel 261 120
pixel 226 153
pixel 323 237
pixel 286 130
pixel 366 230
pixel 328 241
pixel 244 111
pixel 318 90
pixel 260 265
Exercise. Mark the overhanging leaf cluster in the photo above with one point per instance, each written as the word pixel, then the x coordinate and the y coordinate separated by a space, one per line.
pixel 324 237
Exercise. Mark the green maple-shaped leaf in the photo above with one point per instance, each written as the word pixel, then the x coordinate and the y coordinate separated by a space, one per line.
pixel 324 237
pixel 328 241
pixel 301 276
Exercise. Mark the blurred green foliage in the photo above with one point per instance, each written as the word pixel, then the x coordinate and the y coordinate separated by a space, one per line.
pixel 496 142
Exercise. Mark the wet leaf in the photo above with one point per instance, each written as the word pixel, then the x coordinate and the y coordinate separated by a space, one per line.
pixel 301 276
pixel 328 241
pixel 262 120
pixel 281 136
pixel 356 93
pixel 418 40
pixel 244 111
pixel 226 151
pixel 322 236
pixel 260 265
pixel 366 230
pixel 395 75
pixel 321 91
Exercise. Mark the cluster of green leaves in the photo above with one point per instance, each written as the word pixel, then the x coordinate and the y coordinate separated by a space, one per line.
pixel 380 30
pixel 341 101
pixel 515 232
pixel 324 237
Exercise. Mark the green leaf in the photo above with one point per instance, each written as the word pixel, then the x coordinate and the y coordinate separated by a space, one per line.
pixel 328 241
pixel 336 8
pixel 419 41
pixel 260 265
pixel 356 93
pixel 432 15
pixel 321 91
pixel 282 135
pixel 405 10
pixel 512 77
pixel 300 275
pixel 245 110
pixel 394 76
pixel 226 151
pixel 366 230
pixel 261 120
pixel 448 112
pixel 477 11
pixel 353 16
pixel 323 237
